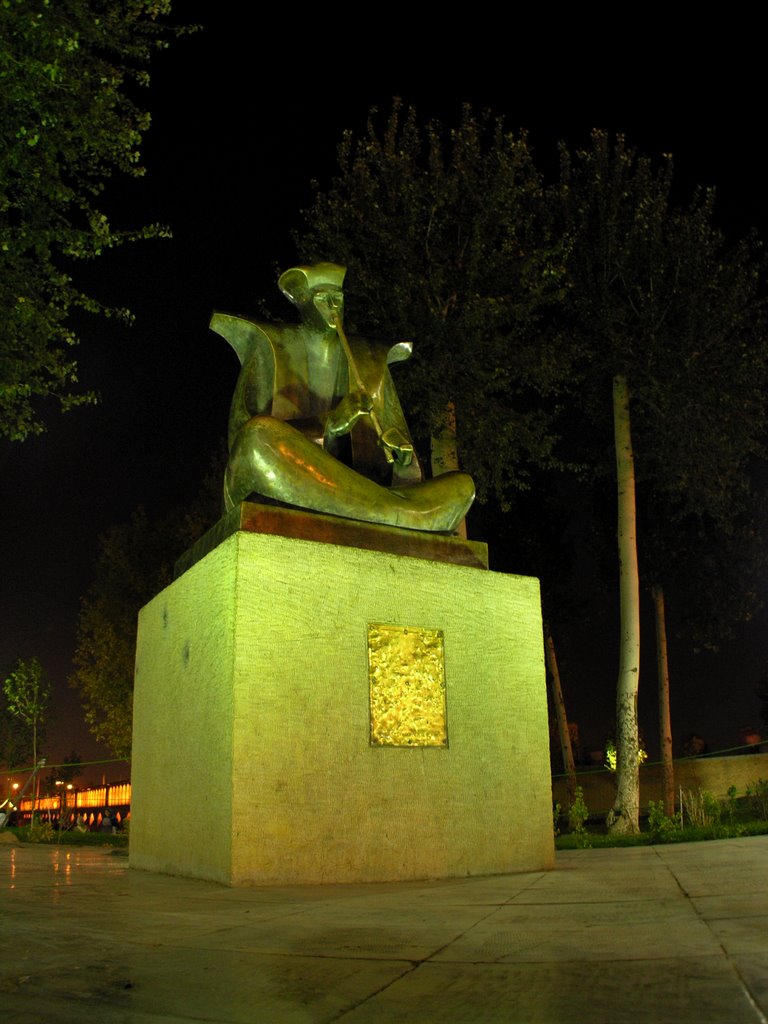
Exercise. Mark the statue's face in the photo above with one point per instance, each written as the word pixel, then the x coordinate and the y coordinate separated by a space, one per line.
pixel 329 303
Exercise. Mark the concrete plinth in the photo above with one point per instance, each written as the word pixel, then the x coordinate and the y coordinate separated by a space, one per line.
pixel 252 755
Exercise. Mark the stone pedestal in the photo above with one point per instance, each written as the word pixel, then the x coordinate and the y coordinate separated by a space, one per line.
pixel 253 759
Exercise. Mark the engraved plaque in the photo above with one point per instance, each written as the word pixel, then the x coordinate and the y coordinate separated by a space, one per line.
pixel 406 671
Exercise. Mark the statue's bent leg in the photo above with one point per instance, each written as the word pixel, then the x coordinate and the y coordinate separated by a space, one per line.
pixel 272 458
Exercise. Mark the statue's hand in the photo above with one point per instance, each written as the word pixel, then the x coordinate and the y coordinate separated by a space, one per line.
pixel 348 412
pixel 397 446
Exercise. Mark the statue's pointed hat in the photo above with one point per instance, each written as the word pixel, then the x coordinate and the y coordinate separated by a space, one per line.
pixel 298 282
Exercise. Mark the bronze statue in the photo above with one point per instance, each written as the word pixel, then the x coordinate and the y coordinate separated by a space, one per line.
pixel 316 422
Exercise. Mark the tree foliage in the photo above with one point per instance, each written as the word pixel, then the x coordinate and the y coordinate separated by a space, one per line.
pixel 15 738
pixel 27 694
pixel 61 774
pixel 659 295
pixel 446 240
pixel 69 119
pixel 656 294
pixel 134 563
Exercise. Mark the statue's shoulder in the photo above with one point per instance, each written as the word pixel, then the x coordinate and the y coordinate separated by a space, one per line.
pixel 250 337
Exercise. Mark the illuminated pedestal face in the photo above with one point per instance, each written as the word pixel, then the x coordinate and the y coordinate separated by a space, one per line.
pixel 312 713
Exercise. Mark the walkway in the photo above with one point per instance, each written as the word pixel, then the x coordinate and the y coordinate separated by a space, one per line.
pixel 646 934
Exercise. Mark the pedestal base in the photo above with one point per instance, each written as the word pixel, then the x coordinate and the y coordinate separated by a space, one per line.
pixel 253 756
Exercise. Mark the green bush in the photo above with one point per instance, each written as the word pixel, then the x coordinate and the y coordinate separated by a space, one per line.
pixel 661 827
pixel 578 815
pixel 701 808
pixel 556 811
pixel 702 816
pixel 46 834
pixel 757 797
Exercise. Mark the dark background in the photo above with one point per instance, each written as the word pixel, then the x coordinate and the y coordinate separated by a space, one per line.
pixel 247 112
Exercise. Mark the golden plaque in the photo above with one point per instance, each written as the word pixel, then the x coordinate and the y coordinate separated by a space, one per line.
pixel 406 671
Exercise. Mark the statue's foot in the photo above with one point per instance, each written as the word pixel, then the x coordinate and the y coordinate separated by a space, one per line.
pixel 437 505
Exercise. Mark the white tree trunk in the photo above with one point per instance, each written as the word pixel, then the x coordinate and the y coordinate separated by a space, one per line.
pixel 625 813
pixel 665 720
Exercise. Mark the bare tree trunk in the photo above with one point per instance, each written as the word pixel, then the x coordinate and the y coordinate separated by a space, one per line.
pixel 624 816
pixel 36 788
pixel 665 721
pixel 560 715
pixel 445 453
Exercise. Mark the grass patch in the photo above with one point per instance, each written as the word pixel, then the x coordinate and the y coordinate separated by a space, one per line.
pixel 597 836
pixel 600 838
pixel 50 837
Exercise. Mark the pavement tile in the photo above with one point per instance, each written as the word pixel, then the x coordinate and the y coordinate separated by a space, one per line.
pixel 200 985
pixel 753 970
pixel 384 934
pixel 732 866
pixel 586 932
pixel 609 935
pixel 742 934
pixel 591 876
pixel 711 908
pixel 664 992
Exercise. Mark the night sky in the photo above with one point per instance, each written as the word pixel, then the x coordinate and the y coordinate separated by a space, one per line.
pixel 243 119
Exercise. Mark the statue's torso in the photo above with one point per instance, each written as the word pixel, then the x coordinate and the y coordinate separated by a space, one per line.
pixel 298 375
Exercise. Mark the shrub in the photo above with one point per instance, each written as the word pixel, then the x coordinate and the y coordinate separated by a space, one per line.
pixel 578 814
pixel 661 828
pixel 700 808
pixel 556 811
pixel 757 794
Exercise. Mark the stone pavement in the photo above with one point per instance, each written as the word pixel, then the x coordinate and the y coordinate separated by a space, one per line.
pixel 646 934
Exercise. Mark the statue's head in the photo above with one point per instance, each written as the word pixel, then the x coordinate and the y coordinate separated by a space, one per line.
pixel 316 291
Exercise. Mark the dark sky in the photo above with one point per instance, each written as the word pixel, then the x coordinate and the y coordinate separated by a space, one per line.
pixel 243 118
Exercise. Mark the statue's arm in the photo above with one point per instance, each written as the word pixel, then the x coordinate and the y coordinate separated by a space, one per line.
pixel 342 418
pixel 255 386
pixel 395 436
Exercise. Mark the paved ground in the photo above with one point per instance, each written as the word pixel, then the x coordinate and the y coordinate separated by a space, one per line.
pixel 663 934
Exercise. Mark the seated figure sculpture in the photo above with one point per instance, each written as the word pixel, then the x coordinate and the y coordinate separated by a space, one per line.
pixel 316 423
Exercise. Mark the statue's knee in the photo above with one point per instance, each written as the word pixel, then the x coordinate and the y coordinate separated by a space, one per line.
pixel 467 487
pixel 250 457
pixel 257 433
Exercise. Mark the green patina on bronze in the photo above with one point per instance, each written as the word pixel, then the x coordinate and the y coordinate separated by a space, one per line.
pixel 316 422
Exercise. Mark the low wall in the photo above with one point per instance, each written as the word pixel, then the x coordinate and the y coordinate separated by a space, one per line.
pixel 714 774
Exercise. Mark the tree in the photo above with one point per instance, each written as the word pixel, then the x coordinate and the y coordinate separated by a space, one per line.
pixel 61 774
pixel 15 737
pixel 68 121
pixel 602 295
pixel 27 694
pixel 707 567
pixel 135 562
pixel 671 320
pixel 446 240
pixel 561 718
